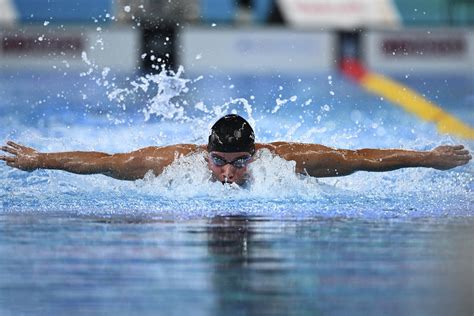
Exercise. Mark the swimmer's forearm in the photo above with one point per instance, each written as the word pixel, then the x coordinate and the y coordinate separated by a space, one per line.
pixel 320 161
pixel 76 162
pixel 328 162
pixel 123 166
pixel 391 159
pixel 442 158
pixel 119 166
pixel 345 162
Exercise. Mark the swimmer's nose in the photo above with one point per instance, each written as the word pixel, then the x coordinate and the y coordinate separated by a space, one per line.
pixel 228 173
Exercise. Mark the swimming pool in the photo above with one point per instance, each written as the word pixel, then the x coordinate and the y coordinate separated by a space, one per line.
pixel 392 243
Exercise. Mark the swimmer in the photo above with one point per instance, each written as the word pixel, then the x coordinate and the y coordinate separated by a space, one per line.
pixel 230 150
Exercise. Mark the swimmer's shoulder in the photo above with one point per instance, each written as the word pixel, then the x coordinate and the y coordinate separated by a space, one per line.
pixel 277 148
pixel 171 150
pixel 269 146
pixel 284 148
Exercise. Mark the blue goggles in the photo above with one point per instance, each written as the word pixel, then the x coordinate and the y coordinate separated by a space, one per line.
pixel 237 163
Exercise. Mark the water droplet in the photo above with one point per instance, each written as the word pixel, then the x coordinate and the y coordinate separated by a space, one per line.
pixel 326 108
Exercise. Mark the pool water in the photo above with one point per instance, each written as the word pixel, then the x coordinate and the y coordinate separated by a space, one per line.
pixel 235 265
pixel 370 243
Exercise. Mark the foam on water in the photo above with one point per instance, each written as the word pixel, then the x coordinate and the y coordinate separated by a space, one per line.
pixel 272 178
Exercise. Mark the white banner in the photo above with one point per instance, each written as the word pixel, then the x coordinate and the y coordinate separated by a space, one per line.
pixel 62 49
pixel 256 50
pixel 420 50
pixel 345 14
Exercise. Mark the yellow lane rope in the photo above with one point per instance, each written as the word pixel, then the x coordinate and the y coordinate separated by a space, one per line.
pixel 414 103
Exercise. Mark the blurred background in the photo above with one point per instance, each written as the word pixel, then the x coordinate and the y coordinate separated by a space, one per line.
pixel 420 44
pixel 300 35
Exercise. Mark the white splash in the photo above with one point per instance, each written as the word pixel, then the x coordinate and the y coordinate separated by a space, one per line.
pixel 245 104
pixel 168 87
pixel 272 177
pixel 281 102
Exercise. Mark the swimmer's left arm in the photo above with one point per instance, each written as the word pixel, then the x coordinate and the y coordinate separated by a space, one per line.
pixel 123 166
pixel 321 161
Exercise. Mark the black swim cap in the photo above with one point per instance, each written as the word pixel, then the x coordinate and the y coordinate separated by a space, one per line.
pixel 231 133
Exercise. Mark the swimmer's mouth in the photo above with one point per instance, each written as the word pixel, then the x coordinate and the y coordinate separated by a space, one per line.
pixel 243 182
pixel 215 179
pixel 226 181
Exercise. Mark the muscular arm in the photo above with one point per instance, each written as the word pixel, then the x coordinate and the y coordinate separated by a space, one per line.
pixel 126 166
pixel 321 161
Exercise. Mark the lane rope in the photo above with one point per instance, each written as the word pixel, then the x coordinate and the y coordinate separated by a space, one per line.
pixel 406 98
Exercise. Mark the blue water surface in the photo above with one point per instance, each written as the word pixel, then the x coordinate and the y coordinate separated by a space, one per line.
pixel 370 243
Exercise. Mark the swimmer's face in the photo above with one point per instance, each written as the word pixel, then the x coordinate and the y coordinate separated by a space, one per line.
pixel 229 167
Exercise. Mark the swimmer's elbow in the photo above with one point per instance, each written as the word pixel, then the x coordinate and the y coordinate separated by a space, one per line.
pixel 130 167
pixel 329 164
pixel 327 172
pixel 119 166
pixel 123 176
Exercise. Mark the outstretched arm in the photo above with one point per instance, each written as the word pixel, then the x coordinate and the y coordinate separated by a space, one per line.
pixel 126 166
pixel 322 161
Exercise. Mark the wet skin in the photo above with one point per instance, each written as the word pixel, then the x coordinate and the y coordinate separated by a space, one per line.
pixel 310 159
pixel 228 172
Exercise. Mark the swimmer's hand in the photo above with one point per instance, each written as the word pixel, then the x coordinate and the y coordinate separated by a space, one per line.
pixel 22 157
pixel 447 157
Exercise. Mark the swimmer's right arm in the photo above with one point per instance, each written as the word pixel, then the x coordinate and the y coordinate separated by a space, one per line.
pixel 126 166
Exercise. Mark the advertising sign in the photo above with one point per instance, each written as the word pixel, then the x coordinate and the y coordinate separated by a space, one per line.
pixel 63 48
pixel 420 50
pixel 345 14
pixel 256 50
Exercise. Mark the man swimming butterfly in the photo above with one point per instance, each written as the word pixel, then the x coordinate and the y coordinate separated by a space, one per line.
pixel 230 150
